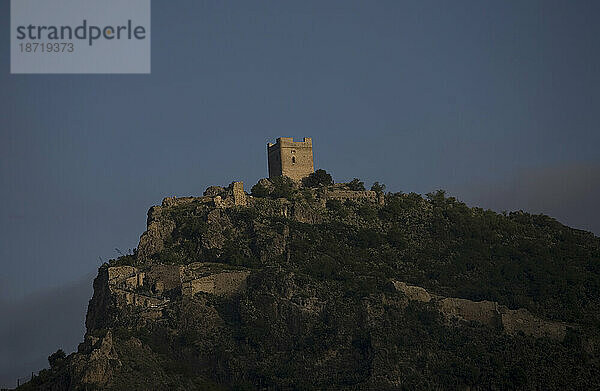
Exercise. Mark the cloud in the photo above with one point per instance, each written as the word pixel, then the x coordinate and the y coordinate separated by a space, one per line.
pixel 38 325
pixel 569 193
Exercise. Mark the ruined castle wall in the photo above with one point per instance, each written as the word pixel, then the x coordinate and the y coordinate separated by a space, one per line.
pixel 521 320
pixel 485 312
pixel 222 284
pixel 412 292
pixel 230 282
pixel 488 313
pixel 175 201
pixel 343 195
pixel 239 196
pixel 164 277
pixel 119 275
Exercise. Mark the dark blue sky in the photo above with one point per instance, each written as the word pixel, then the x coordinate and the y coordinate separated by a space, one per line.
pixel 497 102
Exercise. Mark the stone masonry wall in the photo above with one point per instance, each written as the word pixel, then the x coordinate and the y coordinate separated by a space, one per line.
pixel 291 158
pixel 488 313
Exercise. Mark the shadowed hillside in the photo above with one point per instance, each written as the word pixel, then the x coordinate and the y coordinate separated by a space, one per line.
pixel 328 286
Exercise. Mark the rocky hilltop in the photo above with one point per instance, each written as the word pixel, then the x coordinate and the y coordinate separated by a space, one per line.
pixel 334 287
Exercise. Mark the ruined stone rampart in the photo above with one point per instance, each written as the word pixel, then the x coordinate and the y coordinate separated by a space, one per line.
pixel 163 278
pixel 412 292
pixel 220 284
pixel 145 287
pixel 354 195
pixel 488 313
pixel 521 320
pixel 484 312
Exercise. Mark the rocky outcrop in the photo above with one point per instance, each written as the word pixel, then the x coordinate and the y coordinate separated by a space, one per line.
pixel 95 361
pixel 311 210
pixel 160 225
pixel 159 229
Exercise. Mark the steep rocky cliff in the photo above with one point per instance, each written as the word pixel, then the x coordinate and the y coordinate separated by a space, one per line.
pixel 333 288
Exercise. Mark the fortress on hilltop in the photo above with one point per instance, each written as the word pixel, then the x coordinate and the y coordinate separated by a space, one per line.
pixel 286 157
pixel 291 158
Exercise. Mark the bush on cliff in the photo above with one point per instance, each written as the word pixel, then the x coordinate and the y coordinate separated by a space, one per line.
pixel 277 187
pixel 318 311
pixel 356 185
pixel 317 179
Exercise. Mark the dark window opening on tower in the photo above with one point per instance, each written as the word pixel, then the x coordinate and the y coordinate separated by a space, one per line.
pixel 293 159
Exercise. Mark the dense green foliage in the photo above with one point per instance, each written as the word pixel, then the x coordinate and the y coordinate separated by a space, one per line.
pixel 378 187
pixel 517 259
pixel 56 358
pixel 356 184
pixel 318 178
pixel 278 187
pixel 319 311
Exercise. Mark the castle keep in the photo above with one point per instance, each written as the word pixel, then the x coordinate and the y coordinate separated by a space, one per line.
pixel 291 158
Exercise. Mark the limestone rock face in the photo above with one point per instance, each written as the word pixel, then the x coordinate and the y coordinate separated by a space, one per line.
pixel 217 223
pixel 159 229
pixel 160 224
pixel 94 364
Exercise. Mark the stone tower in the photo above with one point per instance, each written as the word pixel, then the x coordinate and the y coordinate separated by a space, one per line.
pixel 291 158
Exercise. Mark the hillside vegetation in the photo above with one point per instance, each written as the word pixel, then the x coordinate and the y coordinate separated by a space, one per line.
pixel 320 308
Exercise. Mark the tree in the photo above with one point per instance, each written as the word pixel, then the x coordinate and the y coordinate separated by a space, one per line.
pixel 283 187
pixel 56 358
pixel 318 178
pixel 378 187
pixel 260 190
pixel 356 184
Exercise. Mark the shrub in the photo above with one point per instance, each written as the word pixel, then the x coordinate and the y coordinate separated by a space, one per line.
pixel 56 358
pixel 378 187
pixel 334 205
pixel 356 185
pixel 259 190
pixel 283 187
pixel 317 179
